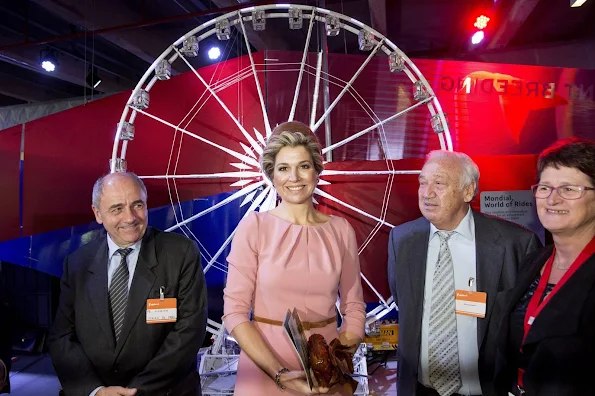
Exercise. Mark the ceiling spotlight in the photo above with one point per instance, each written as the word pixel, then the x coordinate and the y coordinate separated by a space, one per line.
pixel 214 53
pixel 577 3
pixel 48 60
pixel 93 78
pixel 477 37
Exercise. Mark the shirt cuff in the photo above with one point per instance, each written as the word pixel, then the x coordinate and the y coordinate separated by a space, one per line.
pixel 96 390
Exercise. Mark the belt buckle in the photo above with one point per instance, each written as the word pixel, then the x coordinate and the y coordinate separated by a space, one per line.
pixel 521 390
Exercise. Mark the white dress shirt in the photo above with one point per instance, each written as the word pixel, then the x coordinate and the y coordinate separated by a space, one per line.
pixel 113 261
pixel 462 248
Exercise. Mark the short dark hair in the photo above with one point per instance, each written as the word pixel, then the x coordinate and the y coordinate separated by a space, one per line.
pixel 571 152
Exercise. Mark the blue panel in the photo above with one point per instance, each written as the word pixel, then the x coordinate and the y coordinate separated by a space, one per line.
pixel 49 249
pixel 46 252
pixel 16 251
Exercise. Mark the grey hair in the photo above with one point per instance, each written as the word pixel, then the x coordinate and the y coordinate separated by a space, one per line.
pixel 290 134
pixel 98 186
pixel 470 168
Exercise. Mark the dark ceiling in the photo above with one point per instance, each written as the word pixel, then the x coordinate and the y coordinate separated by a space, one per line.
pixel 121 38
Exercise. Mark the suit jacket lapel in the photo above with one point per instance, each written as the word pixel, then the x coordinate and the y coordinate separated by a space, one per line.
pixel 489 258
pixel 417 270
pixel 97 290
pixel 142 282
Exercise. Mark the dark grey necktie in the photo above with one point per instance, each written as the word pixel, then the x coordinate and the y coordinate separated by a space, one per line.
pixel 118 292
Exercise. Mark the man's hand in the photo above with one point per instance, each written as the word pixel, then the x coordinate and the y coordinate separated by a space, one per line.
pixel 115 391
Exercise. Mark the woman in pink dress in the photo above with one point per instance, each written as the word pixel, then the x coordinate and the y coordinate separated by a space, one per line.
pixel 291 256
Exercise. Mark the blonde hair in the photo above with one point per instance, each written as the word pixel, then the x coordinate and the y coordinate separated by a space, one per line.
pixel 290 134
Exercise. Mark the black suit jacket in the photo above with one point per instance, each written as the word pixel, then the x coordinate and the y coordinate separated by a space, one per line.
pixel 157 359
pixel 500 247
pixel 561 341
pixel 5 342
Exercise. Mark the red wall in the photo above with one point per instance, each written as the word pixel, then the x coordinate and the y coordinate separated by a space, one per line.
pixel 502 123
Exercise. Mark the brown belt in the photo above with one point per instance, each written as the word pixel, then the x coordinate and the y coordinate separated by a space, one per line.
pixel 307 325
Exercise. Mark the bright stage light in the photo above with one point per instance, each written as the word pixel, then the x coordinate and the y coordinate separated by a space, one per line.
pixel 48 60
pixel 481 22
pixel 214 53
pixel 477 37
pixel 48 66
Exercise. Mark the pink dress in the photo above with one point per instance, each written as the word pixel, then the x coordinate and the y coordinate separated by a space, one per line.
pixel 275 265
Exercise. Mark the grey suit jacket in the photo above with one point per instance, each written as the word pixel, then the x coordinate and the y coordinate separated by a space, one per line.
pixel 157 359
pixel 501 247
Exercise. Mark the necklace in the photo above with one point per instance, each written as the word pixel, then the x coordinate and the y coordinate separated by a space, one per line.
pixel 561 267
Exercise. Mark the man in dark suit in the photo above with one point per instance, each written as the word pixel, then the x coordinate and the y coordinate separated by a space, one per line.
pixel 450 248
pixel 107 339
pixel 5 348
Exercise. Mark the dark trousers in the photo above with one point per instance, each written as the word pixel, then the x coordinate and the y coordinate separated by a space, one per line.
pixel 423 391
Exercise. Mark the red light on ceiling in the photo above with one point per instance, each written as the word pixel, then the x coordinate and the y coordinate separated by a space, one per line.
pixel 481 22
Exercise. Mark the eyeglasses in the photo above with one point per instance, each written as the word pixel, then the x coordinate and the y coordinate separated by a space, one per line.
pixel 567 192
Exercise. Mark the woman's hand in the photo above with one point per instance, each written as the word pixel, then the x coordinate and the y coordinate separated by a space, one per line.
pixel 350 340
pixel 296 380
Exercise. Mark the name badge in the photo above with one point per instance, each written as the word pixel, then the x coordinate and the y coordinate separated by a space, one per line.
pixel 162 310
pixel 471 303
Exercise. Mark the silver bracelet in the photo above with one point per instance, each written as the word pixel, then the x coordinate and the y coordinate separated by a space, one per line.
pixel 278 377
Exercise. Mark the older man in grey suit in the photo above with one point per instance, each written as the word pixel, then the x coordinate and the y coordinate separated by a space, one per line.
pixel 451 248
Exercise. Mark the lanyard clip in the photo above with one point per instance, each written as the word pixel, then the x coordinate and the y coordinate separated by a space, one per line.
pixel 161 295
pixel 471 284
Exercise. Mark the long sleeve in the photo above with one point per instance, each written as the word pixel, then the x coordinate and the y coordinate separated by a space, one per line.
pixel 352 304
pixel 392 262
pixel 183 341
pixel 241 276
pixel 75 370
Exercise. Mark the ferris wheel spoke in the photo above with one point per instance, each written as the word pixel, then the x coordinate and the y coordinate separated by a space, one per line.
pixel 269 203
pixel 382 300
pixel 265 116
pixel 349 84
pixel 299 80
pixel 331 172
pixel 371 128
pixel 227 200
pixel 220 175
pixel 217 98
pixel 252 207
pixel 316 89
pixel 348 206
pixel 231 152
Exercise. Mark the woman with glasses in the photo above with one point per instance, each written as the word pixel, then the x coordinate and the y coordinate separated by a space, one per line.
pixel 544 341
